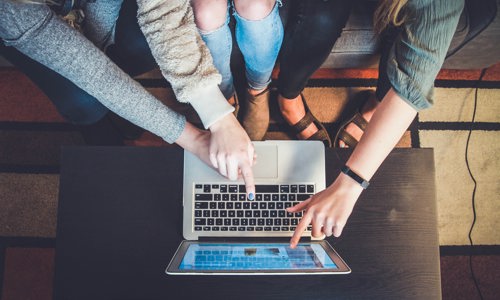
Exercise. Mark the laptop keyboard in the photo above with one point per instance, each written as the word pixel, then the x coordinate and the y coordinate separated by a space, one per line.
pixel 225 207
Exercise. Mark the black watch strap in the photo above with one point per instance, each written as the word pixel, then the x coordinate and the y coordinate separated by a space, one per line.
pixel 346 170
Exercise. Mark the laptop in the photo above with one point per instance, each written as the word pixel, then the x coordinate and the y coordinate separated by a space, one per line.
pixel 225 233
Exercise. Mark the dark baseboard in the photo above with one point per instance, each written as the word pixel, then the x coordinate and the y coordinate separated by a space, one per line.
pixel 468 250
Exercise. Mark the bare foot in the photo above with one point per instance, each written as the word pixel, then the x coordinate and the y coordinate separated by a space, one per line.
pixel 367 112
pixel 293 110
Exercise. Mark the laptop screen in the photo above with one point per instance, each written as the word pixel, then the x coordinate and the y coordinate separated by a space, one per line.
pixel 256 257
pixel 269 256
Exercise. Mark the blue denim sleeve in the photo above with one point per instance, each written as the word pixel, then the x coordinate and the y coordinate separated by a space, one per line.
pixel 418 53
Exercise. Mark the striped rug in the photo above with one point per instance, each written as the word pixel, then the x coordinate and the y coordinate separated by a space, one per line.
pixel 32 132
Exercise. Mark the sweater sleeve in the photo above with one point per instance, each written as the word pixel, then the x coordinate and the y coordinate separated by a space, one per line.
pixel 38 33
pixel 100 21
pixel 182 56
pixel 419 52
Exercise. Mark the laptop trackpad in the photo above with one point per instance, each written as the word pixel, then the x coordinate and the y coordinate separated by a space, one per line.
pixel 267 161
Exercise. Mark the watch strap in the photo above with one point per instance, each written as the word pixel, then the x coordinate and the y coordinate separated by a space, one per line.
pixel 364 183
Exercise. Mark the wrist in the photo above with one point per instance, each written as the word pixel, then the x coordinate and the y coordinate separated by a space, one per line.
pixel 354 177
pixel 210 105
pixel 224 122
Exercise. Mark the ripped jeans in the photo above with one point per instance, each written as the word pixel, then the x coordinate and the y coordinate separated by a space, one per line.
pixel 259 42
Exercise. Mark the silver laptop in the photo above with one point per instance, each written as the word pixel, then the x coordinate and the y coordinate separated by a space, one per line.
pixel 252 236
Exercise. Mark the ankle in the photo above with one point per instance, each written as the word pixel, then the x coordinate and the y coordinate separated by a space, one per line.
pixel 254 93
pixel 290 106
pixel 369 108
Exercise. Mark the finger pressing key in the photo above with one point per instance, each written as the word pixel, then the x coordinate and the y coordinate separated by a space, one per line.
pixel 247 174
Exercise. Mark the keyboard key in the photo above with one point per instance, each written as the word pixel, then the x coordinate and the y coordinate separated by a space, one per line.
pixel 302 197
pixel 201 205
pixel 284 189
pixel 233 188
pixel 223 188
pixel 293 188
pixel 206 188
pixel 203 197
pixel 310 188
pixel 242 189
pixel 259 188
pixel 200 221
pixel 302 188
pixel 198 186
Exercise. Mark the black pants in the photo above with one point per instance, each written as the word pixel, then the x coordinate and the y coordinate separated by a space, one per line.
pixel 312 28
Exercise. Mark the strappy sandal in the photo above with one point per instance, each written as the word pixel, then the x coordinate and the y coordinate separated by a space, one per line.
pixel 357 119
pixel 308 119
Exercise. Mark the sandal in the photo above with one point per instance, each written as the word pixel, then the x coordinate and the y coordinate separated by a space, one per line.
pixel 357 119
pixel 308 119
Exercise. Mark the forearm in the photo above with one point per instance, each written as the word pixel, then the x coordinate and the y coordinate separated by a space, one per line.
pixel 389 122
pixel 183 57
pixel 54 44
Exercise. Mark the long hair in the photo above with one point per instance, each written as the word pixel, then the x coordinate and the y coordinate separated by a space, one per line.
pixel 389 12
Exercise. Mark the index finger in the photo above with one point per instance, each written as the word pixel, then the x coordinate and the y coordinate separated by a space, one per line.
pixel 247 174
pixel 304 222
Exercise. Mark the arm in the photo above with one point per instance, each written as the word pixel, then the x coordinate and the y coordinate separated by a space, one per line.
pixel 186 63
pixel 329 210
pixel 38 33
pixel 413 64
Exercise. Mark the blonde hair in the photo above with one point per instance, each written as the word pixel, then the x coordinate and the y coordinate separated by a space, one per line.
pixel 389 12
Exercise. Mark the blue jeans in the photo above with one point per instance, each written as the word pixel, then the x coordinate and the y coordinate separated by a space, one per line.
pixel 259 42
pixel 130 52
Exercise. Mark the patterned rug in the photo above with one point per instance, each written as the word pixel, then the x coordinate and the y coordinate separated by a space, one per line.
pixel 32 132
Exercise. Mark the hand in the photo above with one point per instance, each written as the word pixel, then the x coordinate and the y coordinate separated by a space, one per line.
pixel 196 141
pixel 328 210
pixel 232 152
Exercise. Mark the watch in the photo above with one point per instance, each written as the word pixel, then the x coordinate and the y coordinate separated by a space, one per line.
pixel 346 170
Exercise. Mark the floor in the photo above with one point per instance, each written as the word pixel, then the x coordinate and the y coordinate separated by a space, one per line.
pixel 32 132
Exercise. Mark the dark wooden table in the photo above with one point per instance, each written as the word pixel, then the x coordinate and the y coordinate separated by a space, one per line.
pixel 120 220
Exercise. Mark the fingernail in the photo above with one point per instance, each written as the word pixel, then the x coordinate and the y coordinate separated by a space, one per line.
pixel 251 196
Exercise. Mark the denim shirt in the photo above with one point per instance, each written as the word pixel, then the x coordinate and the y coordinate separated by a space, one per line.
pixel 420 49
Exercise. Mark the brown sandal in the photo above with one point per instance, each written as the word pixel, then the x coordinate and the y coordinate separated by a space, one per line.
pixel 357 119
pixel 308 119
